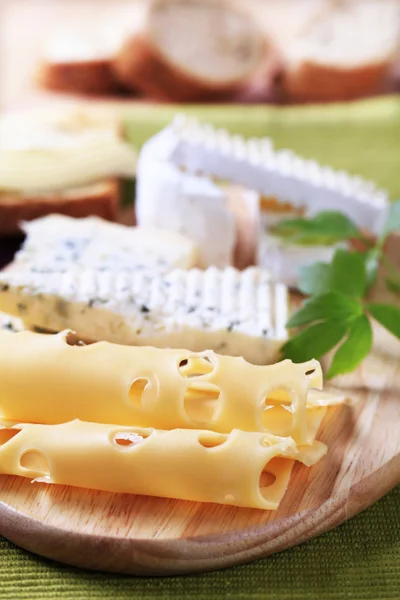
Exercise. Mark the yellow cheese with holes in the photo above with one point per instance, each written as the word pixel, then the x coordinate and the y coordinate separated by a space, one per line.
pixel 53 379
pixel 240 468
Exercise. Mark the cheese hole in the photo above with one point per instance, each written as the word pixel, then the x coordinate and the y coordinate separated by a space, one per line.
pixel 195 366
pixel 201 401
pixel 277 397
pixel 7 434
pixel 35 461
pixel 212 440
pixel 229 499
pixel 136 391
pixel 129 438
pixel 266 480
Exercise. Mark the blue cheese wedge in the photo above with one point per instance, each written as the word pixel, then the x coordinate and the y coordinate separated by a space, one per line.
pixel 238 313
pixel 58 243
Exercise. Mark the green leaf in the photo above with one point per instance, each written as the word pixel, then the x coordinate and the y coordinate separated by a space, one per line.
pixel 330 306
pixel 348 273
pixel 393 285
pixel 315 341
pixel 326 228
pixel 392 220
pixel 354 349
pixel 387 315
pixel 315 278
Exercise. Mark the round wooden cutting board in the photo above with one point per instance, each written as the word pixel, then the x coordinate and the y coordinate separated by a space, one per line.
pixel 155 536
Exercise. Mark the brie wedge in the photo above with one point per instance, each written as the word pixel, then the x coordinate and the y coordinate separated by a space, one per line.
pixel 279 174
pixel 185 203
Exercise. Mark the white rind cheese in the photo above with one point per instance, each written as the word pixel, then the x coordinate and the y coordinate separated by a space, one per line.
pixel 238 313
pixel 280 174
pixel 185 203
pixel 284 260
pixel 58 243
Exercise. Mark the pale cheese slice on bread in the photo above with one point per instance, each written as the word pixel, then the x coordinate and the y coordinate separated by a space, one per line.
pixel 55 150
pixel 59 243
pixel 238 313
pixel 193 50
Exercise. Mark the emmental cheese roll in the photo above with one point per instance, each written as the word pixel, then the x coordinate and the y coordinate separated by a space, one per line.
pixel 55 378
pixel 240 468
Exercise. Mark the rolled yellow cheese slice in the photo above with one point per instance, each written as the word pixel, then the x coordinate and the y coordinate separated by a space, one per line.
pixel 52 379
pixel 240 468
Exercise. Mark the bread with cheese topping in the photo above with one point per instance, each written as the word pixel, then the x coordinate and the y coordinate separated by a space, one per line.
pixel 192 50
pixel 61 161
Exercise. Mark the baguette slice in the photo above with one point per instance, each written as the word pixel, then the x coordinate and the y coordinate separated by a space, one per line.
pixel 238 313
pixel 78 65
pixel 100 199
pixel 192 50
pixel 345 51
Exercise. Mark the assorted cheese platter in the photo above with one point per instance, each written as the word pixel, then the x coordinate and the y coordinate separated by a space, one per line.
pixel 146 382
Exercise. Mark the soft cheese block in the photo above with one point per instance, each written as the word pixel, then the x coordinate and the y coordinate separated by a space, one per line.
pixel 58 243
pixel 147 386
pixel 280 174
pixel 284 260
pixel 238 313
pixel 184 202
pixel 240 468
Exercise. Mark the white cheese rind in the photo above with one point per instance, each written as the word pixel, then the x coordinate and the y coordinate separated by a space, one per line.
pixel 58 243
pixel 185 203
pixel 237 313
pixel 280 174
pixel 284 260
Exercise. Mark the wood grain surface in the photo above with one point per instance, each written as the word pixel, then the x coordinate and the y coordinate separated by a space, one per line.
pixel 145 535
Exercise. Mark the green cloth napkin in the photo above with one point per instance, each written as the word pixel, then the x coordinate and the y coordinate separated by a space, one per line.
pixel 360 560
pixel 361 137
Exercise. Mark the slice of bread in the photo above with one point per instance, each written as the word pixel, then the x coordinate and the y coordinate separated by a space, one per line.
pixel 100 199
pixel 74 64
pixel 344 51
pixel 192 50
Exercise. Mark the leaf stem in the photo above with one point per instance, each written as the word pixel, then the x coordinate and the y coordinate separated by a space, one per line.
pixel 393 271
